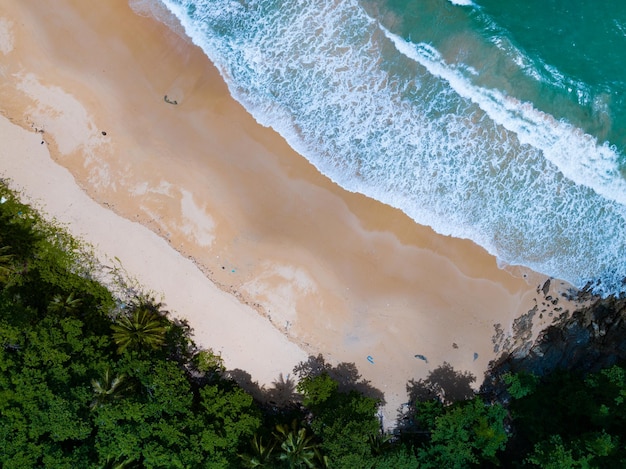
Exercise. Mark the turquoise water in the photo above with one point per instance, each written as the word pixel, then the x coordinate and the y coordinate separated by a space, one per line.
pixel 496 121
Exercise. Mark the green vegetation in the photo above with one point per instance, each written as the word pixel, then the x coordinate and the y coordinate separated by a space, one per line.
pixel 572 421
pixel 89 378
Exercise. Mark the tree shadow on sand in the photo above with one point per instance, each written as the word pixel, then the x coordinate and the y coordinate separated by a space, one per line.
pixel 346 374
pixel 283 393
pixel 443 384
pixel 280 394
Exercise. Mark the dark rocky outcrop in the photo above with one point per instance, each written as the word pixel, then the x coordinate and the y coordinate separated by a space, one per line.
pixel 592 338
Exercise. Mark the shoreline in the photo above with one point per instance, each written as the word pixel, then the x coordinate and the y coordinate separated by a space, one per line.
pixel 327 270
pixel 137 256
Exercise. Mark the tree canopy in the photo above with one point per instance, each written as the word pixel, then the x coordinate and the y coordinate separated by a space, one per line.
pixel 94 376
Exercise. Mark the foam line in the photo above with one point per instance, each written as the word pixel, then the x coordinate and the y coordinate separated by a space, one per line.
pixel 409 130
pixel 577 155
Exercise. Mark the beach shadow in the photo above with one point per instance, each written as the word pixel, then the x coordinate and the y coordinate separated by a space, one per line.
pixel 281 394
pixel 443 384
pixel 244 380
pixel 346 374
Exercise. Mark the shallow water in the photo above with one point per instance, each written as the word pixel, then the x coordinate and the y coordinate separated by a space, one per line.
pixel 483 120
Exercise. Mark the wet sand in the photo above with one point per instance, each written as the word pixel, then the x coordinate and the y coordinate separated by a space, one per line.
pixel 323 270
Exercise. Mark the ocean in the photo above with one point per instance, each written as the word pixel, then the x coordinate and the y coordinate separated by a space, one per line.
pixel 501 122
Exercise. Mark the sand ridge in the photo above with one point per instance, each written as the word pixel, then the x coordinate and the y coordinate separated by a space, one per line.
pixel 326 270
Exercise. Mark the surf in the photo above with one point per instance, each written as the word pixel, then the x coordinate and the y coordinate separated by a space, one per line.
pixel 389 118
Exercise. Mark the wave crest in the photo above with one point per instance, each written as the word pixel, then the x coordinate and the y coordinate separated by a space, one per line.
pixel 408 130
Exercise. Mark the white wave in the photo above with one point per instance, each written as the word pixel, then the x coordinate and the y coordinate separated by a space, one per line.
pixel 410 131
pixel 159 12
pixel 464 3
pixel 577 155
pixel 621 27
pixel 520 59
pixel 534 67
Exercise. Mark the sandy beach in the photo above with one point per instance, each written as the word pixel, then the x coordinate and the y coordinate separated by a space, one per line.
pixel 268 260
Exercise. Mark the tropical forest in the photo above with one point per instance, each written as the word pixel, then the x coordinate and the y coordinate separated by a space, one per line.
pixel 96 373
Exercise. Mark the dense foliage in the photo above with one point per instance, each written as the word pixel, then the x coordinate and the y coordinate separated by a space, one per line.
pixel 88 380
pixel 567 420
pixel 92 378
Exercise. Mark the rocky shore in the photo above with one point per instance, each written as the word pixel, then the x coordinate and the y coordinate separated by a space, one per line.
pixel 591 338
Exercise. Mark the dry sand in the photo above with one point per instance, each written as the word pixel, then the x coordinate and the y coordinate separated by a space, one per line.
pixel 148 259
pixel 293 265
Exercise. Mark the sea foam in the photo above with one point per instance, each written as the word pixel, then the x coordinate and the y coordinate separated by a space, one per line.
pixel 390 119
pixel 561 143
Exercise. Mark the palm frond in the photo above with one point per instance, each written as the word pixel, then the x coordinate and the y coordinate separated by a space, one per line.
pixel 143 328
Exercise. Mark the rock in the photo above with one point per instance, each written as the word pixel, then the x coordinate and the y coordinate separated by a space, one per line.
pixel 590 339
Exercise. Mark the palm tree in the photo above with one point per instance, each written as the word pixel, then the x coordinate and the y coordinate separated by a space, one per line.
pixel 68 305
pixel 143 327
pixel 261 454
pixel 322 459
pixel 380 443
pixel 108 388
pixel 298 449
